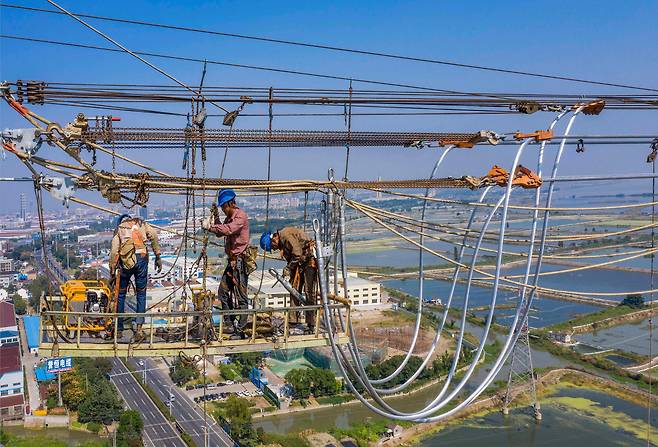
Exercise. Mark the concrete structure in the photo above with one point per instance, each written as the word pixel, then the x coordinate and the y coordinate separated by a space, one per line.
pixel 11 382
pixel 8 278
pixel 7 316
pixel 362 293
pixel 6 265
pixel 92 239
pixel 31 324
pixel 173 270
pixel 8 337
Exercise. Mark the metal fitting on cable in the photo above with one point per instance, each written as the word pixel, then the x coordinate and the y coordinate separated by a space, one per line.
pixel 654 151
pixel 341 212
pixel 580 146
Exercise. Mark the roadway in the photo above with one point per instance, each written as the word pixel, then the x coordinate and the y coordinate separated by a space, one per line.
pixel 158 431
pixel 29 362
pixel 56 270
pixel 188 415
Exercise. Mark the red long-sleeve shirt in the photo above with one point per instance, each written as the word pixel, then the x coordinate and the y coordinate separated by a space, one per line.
pixel 236 231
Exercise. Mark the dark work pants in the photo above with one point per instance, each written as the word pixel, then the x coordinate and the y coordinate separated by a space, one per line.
pixel 308 280
pixel 140 273
pixel 232 291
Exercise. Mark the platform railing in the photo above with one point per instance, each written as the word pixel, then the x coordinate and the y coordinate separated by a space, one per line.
pixel 188 339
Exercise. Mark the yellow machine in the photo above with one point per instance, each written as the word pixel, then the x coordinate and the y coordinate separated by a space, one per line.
pixel 91 297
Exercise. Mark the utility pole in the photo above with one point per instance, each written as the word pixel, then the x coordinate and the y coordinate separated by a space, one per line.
pixel 68 266
pixel 59 389
pixel 170 401
pixel 97 257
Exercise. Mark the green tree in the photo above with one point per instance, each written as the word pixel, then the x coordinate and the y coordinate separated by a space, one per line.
pixel 324 382
pixel 300 381
pixel 238 414
pixel 634 300
pixel 247 361
pixel 73 390
pixel 19 304
pixel 129 432
pixel 101 404
pixel 38 286
pixel 181 372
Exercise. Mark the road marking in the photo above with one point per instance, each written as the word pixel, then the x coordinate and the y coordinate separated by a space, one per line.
pixel 141 392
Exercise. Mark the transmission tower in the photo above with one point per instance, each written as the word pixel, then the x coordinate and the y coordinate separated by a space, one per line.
pixel 521 370
pixel 23 212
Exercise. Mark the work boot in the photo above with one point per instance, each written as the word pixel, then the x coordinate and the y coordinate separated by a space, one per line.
pixel 228 327
pixel 139 334
pixel 110 335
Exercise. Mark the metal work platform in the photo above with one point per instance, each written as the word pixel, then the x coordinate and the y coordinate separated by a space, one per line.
pixel 170 333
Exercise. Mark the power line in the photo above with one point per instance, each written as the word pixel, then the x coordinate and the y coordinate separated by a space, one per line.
pixel 251 67
pixel 126 50
pixel 339 49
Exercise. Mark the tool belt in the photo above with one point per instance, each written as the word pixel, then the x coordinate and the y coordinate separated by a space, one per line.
pixel 309 255
pixel 248 257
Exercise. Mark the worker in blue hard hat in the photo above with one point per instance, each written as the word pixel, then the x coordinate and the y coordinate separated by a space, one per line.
pixel 297 248
pixel 232 291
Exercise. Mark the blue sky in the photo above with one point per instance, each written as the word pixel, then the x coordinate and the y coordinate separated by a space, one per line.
pixel 602 40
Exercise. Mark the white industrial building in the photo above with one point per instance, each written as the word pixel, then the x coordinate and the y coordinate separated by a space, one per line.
pixel 362 293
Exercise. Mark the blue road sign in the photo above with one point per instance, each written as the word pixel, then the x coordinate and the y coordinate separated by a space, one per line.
pixel 59 364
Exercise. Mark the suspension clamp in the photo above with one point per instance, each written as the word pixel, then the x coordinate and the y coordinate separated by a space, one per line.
pixel 590 108
pixel 654 151
pixel 483 136
pixel 34 91
pixel 538 135
pixel 527 108
pixel 61 188
pixel 523 177
pixel 26 140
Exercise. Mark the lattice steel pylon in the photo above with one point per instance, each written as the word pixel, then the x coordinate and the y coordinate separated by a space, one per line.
pixel 521 370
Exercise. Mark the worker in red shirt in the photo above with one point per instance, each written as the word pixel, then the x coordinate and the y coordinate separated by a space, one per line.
pixel 235 230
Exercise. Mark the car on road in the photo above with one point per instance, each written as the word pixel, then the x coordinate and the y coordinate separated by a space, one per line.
pixel 172 397
pixel 141 363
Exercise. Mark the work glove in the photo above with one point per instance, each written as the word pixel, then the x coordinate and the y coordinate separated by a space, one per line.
pixel 158 263
pixel 205 223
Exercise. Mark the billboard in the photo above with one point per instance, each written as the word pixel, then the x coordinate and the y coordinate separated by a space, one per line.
pixel 59 364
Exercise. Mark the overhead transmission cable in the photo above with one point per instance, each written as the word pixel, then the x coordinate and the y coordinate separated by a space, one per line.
pixel 236 65
pixel 126 50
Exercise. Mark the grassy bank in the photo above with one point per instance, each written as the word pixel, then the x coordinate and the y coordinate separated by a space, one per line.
pixel 592 318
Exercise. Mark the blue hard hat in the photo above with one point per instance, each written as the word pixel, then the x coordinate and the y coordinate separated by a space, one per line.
pixel 121 218
pixel 266 241
pixel 225 195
